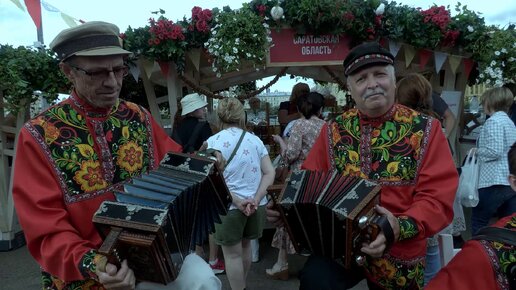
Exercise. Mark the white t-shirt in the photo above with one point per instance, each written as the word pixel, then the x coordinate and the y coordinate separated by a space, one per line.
pixel 243 174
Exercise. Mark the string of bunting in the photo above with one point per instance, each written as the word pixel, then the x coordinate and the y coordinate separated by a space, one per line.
pixel 251 94
pixel 335 78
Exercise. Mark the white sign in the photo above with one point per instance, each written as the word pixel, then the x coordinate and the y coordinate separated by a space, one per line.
pixel 452 98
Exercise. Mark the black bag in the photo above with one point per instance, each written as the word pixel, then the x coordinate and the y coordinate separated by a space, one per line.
pixel 188 147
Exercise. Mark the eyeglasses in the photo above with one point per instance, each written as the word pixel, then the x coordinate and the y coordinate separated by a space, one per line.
pixel 98 75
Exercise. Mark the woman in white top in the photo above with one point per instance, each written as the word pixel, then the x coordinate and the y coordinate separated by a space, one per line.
pixel 248 173
pixel 496 198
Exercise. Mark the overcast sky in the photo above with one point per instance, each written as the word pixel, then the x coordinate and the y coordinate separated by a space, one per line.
pixel 17 27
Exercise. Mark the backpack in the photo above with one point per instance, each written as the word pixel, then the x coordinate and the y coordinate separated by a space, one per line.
pixel 188 147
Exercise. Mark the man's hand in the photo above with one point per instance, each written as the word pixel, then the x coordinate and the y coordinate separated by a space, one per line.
pixel 273 216
pixel 377 247
pixel 114 279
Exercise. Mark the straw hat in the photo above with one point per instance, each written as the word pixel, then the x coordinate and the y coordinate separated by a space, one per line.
pixel 95 38
pixel 192 102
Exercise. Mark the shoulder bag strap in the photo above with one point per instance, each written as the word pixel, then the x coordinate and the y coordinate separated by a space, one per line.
pixel 495 234
pixel 236 147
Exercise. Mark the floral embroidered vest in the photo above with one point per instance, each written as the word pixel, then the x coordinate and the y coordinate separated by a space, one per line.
pixel 387 150
pixel 92 152
pixel 502 256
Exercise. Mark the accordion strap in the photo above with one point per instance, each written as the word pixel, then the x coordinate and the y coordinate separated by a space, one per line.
pixel 495 234
pixel 236 148
pixel 387 231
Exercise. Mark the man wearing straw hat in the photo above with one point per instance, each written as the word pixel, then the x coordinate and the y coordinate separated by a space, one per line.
pixel 73 155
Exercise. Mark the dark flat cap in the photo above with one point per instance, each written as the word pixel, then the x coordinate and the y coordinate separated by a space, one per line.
pixel 366 55
pixel 95 38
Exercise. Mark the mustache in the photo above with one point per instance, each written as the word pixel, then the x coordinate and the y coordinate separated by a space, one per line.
pixel 372 93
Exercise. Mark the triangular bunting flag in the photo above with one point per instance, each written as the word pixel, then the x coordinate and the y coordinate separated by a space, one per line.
pixel 165 67
pixel 439 58
pixel 424 57
pixel 468 66
pixel 410 52
pixel 69 20
pixel 147 65
pixel 49 7
pixel 394 47
pixel 18 4
pixel 383 42
pixel 135 72
pixel 195 57
pixel 454 61
pixel 34 8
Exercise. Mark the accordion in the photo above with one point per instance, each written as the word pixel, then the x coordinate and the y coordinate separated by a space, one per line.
pixel 159 217
pixel 329 214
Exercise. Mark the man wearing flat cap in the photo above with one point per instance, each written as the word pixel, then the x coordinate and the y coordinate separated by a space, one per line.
pixel 403 151
pixel 71 157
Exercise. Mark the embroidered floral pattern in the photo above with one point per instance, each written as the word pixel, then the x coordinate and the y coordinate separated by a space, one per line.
pixel 130 157
pixel 408 228
pixel 387 150
pixel 502 256
pixel 87 267
pixel 391 273
pixel 91 152
pixel 89 176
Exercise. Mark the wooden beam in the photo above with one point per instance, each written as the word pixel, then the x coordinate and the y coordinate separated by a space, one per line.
pixel 174 89
pixel 149 92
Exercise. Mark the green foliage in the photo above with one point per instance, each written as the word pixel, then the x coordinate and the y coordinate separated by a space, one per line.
pixel 24 71
pixel 472 28
pixel 497 56
pixel 314 16
pixel 238 35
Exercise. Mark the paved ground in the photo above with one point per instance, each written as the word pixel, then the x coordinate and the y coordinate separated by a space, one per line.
pixel 19 271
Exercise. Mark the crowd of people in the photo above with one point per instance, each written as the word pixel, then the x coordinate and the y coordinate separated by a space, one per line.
pixel 74 155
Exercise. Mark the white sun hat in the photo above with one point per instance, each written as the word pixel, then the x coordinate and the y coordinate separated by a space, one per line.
pixel 192 102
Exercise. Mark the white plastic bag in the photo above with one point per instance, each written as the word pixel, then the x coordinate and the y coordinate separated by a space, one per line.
pixel 468 181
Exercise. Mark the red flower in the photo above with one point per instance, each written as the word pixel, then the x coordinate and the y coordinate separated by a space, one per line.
pixel 196 10
pixel 206 15
pixel 109 136
pixel 202 26
pixel 348 16
pixel 378 20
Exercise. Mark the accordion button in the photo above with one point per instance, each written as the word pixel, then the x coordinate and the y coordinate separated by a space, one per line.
pixel 360 260
pixel 362 222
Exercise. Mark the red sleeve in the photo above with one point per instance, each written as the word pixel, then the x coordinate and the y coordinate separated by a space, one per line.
pixel 319 156
pixel 469 269
pixel 436 185
pixel 51 237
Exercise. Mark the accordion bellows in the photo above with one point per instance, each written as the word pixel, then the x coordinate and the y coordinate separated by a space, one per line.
pixel 321 212
pixel 160 216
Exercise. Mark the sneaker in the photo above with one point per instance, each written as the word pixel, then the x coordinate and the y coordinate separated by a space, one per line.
pixel 218 267
pixel 255 258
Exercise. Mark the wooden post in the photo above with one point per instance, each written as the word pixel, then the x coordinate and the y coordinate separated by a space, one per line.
pixel 174 91
pixel 11 236
pixel 145 65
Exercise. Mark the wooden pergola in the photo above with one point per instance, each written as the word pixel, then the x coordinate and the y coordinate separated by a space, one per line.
pixel 198 75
